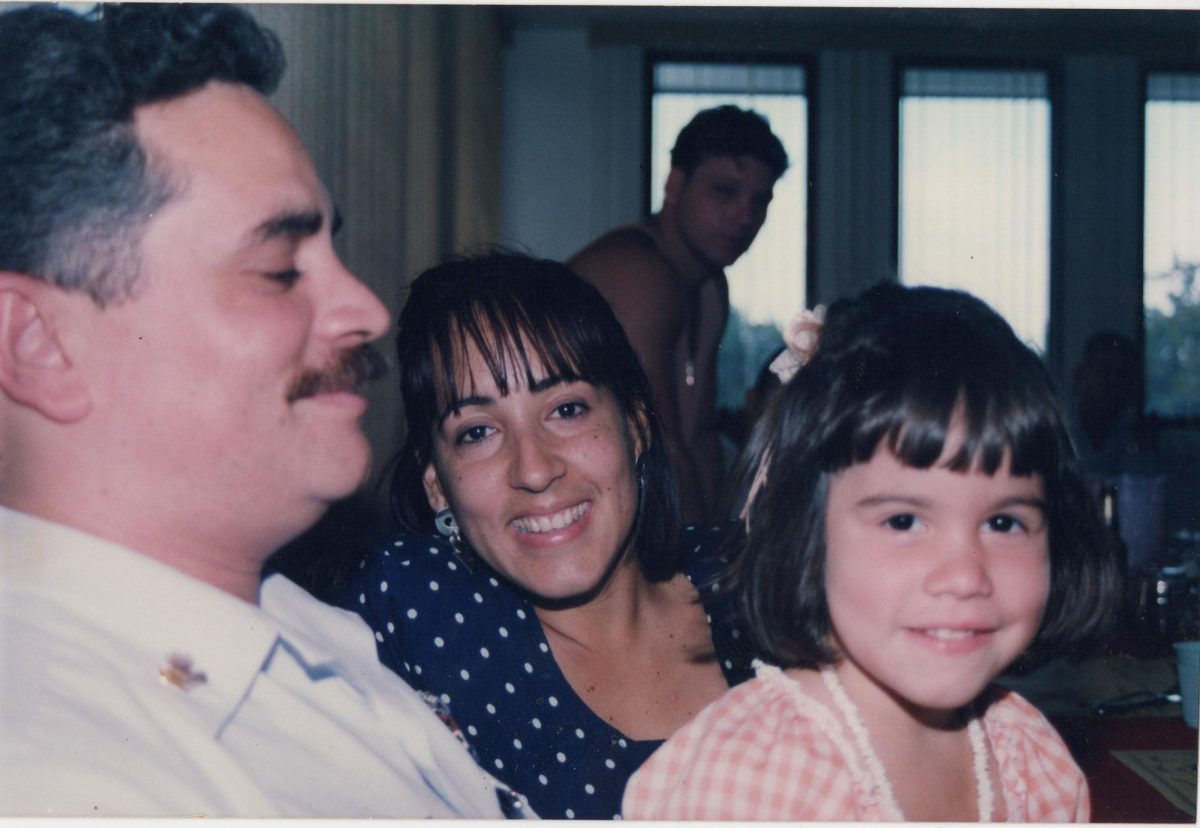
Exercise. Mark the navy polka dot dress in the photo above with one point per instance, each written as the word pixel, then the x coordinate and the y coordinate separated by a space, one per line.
pixel 477 645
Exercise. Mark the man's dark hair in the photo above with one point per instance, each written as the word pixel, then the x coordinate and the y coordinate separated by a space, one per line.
pixel 728 130
pixel 76 188
pixel 516 311
pixel 892 370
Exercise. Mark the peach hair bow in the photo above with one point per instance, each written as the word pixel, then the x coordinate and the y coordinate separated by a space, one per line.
pixel 800 337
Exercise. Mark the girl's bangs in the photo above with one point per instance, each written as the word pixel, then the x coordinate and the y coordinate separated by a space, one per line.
pixel 997 420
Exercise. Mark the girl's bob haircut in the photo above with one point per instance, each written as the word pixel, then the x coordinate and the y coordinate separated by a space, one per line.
pixel 521 311
pixel 891 369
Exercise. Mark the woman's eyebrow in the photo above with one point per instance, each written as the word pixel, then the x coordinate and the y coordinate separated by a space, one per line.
pixel 1031 502
pixel 457 405
pixel 548 382
pixel 454 406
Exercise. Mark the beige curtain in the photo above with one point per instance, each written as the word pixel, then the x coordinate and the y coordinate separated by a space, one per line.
pixel 400 107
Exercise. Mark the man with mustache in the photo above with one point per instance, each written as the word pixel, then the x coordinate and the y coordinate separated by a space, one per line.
pixel 665 280
pixel 180 355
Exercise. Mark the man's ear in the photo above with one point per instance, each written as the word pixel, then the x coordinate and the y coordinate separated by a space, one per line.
pixel 34 369
pixel 676 178
pixel 433 489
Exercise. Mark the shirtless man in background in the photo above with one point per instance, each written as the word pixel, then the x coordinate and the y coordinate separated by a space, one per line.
pixel 665 279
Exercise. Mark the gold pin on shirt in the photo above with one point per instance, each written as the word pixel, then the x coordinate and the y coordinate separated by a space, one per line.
pixel 178 672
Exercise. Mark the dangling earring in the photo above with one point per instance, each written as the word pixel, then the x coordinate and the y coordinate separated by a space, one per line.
pixel 445 523
pixel 639 474
pixel 447 526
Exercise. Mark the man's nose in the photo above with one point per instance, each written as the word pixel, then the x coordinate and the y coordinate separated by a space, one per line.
pixel 746 214
pixel 353 310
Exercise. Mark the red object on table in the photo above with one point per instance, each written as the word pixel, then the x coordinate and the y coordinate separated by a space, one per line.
pixel 1119 794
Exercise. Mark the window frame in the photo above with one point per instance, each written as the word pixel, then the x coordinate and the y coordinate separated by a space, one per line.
pixel 807 65
pixel 1052 69
pixel 803 61
pixel 1156 421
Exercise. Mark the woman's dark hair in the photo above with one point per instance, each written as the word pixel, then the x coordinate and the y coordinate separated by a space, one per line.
pixel 517 310
pixel 892 368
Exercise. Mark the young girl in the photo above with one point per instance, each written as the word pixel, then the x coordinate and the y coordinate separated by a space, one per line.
pixel 918 525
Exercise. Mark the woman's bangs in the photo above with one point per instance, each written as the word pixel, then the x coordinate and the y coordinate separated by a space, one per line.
pixel 507 340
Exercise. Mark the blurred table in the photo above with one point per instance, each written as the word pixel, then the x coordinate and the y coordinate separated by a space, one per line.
pixel 1140 761
pixel 1139 768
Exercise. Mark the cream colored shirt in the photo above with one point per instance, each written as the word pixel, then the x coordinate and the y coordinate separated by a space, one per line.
pixel 275 710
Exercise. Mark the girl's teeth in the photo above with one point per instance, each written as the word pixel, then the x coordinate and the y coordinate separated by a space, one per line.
pixel 550 523
pixel 948 634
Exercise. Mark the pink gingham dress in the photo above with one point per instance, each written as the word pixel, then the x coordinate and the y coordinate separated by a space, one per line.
pixel 767 751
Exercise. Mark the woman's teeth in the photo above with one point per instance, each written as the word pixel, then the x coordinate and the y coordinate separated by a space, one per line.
pixel 551 523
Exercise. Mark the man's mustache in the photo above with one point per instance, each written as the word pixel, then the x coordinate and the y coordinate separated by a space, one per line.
pixel 352 368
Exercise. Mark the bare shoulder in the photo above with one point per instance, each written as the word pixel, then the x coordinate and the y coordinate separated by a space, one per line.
pixel 627 257
pixel 625 253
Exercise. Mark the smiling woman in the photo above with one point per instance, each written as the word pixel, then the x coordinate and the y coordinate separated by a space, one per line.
pixel 541 479
pixel 560 616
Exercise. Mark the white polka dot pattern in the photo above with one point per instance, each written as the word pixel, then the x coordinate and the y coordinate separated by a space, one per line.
pixel 466 636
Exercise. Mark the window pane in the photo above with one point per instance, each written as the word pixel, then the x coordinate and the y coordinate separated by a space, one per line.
pixel 1170 294
pixel 975 189
pixel 766 285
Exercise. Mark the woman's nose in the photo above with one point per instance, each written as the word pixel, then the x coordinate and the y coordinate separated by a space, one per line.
pixel 535 463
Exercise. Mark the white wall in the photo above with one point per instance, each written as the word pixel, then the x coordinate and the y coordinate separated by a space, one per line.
pixel 572 140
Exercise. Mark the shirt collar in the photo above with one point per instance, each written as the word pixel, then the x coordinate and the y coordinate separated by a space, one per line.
pixel 323 638
pixel 153 612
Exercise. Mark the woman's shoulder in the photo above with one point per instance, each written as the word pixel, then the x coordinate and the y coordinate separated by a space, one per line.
pixel 706 550
pixel 405 557
pixel 428 608
pixel 705 556
pixel 422 577
pixel 405 548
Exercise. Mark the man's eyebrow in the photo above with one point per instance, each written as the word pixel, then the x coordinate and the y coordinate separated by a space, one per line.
pixel 291 224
